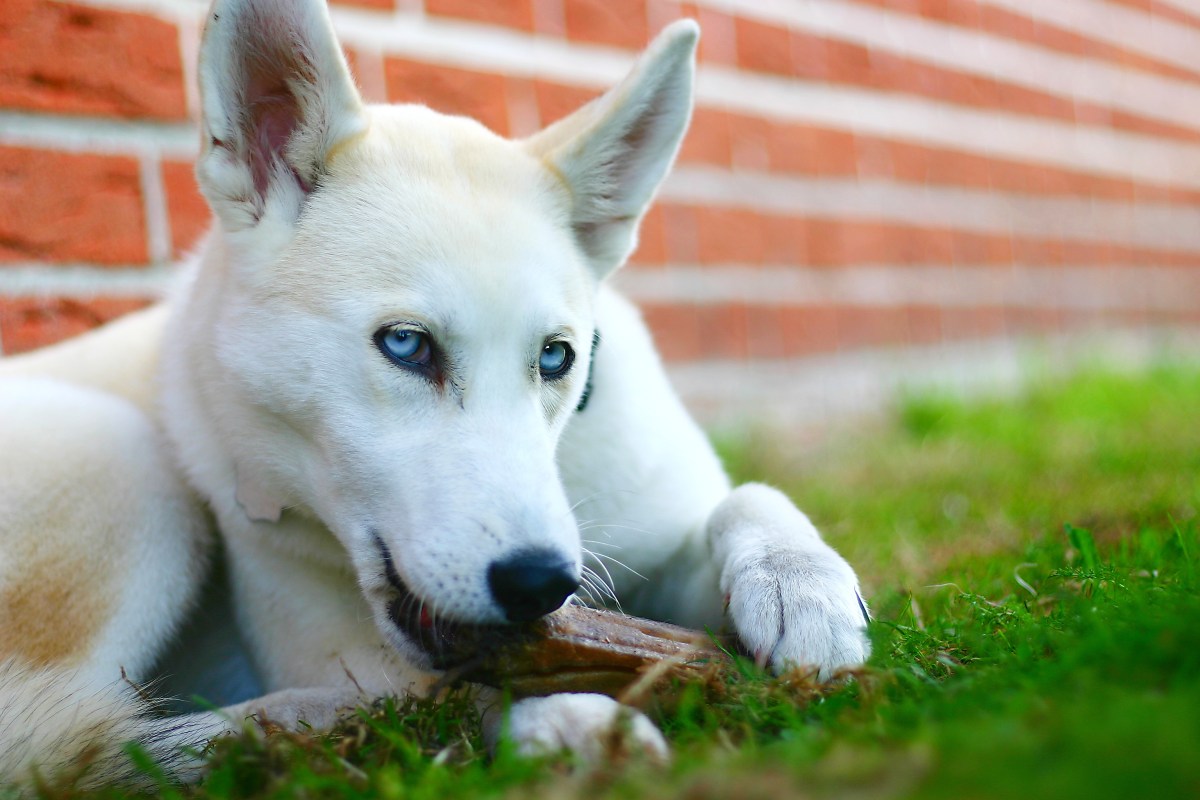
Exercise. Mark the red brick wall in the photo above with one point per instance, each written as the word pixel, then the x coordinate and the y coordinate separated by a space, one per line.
pixel 859 174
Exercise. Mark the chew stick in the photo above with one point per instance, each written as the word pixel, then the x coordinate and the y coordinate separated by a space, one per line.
pixel 579 649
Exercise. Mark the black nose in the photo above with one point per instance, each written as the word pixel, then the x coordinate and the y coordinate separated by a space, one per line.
pixel 531 584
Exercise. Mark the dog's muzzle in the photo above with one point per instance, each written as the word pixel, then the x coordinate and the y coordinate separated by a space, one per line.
pixel 532 584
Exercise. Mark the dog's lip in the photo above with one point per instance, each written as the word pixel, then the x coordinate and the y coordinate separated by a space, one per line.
pixel 439 638
pixel 447 643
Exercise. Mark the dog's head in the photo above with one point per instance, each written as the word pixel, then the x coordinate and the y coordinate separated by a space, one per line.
pixel 400 309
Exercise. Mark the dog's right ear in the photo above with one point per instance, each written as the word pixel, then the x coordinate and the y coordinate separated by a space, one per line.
pixel 613 153
pixel 276 98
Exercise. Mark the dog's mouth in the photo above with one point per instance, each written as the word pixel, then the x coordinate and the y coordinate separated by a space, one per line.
pixel 447 643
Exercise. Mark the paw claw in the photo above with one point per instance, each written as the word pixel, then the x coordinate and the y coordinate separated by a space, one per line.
pixel 863 607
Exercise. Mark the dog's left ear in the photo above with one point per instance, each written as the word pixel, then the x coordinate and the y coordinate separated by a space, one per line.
pixel 614 152
pixel 276 99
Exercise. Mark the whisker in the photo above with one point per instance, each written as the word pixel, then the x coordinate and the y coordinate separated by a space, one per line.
pixel 585 587
pixel 606 584
pixel 606 581
pixel 602 544
pixel 607 575
pixel 589 498
pixel 607 595
pixel 599 493
pixel 619 563
pixel 623 527
pixel 599 528
pixel 597 583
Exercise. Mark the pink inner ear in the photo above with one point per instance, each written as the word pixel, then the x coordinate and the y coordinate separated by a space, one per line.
pixel 274 63
pixel 273 117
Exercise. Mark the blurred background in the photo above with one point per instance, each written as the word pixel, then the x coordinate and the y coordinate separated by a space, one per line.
pixel 875 194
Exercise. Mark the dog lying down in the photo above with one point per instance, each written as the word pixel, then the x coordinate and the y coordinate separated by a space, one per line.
pixel 372 387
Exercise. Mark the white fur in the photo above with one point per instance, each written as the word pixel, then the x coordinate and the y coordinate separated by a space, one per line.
pixel 317 455
pixel 49 718
pixel 589 725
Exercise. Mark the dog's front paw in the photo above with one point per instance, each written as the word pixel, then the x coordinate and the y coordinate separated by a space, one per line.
pixel 793 600
pixel 798 610
pixel 316 709
pixel 593 727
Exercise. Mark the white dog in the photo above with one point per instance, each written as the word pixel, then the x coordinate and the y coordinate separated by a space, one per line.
pixel 379 385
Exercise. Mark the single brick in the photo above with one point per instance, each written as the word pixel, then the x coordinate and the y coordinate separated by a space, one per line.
pixel 676 330
pixel 809 329
pixel 871 326
pixel 382 5
pixel 479 95
pixel 785 240
pixel 956 12
pixel 762 47
pixel 27 323
pixel 73 59
pixel 70 207
pixel 708 138
pixel 764 332
pixel 811 151
pixel 924 324
pixel 652 245
pixel 548 18
pixel 1017 320
pixel 556 100
pixel 810 57
pixel 366 66
pixel 854 64
pixel 681 233
pixel 981 322
pixel 750 142
pixel 187 209
pixel 524 119
pixel 731 236
pixel 613 22
pixel 972 248
pixel 718 43
pixel 508 13
pixel 723 331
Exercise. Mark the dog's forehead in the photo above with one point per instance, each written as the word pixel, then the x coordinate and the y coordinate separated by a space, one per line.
pixel 411 156
pixel 439 205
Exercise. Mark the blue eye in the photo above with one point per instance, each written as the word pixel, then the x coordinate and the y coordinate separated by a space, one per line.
pixel 555 360
pixel 405 346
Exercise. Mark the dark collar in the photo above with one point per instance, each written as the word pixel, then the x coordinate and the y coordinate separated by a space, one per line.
pixel 587 387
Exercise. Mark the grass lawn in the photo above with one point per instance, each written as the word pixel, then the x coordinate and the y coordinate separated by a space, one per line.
pixel 1033 568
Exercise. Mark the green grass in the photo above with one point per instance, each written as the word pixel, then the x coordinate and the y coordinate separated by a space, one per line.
pixel 1033 567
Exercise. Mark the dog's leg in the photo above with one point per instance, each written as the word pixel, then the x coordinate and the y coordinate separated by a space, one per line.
pixel 101 551
pixel 658 512
pixel 315 709
pixel 102 547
